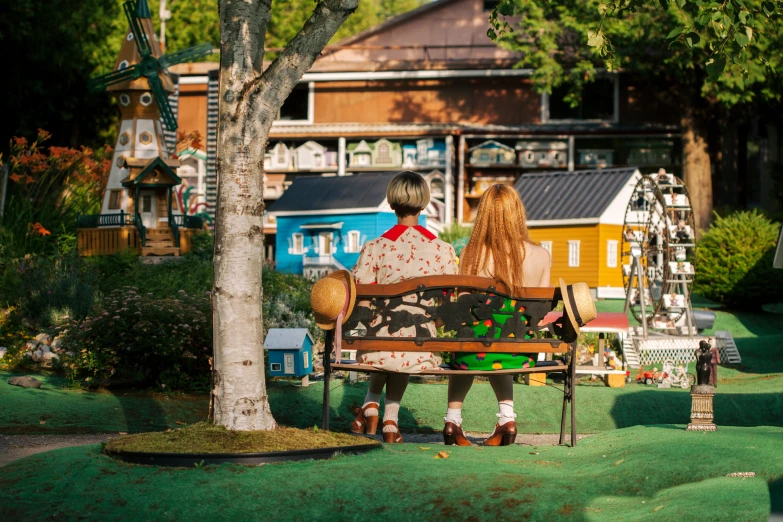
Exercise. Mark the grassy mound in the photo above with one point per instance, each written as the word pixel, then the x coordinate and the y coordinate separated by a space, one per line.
pixel 655 473
pixel 204 437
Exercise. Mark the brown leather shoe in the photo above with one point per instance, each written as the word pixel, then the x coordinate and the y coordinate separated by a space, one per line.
pixel 453 434
pixel 503 435
pixel 363 424
pixel 393 437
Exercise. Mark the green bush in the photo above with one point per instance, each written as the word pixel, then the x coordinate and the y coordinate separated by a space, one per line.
pixel 735 261
pixel 142 339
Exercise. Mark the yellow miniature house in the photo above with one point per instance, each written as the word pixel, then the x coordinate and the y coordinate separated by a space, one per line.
pixel 578 217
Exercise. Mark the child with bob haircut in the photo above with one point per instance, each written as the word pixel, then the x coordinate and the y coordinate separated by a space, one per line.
pixel 405 251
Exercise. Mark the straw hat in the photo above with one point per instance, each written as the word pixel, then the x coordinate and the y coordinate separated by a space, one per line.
pixel 579 305
pixel 330 296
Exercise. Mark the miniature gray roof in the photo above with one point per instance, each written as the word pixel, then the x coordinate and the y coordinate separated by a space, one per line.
pixel 286 338
pixel 308 193
pixel 570 195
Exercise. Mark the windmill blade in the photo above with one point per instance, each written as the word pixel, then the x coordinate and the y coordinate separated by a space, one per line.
pixel 99 83
pixel 137 30
pixel 191 53
pixel 163 103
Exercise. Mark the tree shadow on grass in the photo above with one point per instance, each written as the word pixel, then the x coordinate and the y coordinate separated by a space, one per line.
pixel 144 410
pixel 776 498
pixel 669 407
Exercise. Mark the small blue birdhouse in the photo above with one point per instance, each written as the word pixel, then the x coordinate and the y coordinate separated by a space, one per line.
pixel 290 352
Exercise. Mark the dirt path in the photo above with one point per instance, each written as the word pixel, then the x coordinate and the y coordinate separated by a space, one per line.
pixel 14 447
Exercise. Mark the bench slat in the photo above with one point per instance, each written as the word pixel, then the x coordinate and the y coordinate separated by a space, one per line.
pixel 398 344
pixel 452 281
pixel 370 369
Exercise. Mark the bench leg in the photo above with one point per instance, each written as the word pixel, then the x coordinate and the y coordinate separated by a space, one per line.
pixel 327 376
pixel 572 394
pixel 566 379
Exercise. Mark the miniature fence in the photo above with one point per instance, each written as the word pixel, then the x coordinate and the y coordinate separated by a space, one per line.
pixel 657 350
pixel 106 241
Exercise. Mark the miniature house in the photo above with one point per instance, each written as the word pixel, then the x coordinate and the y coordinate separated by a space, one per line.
pixel 280 157
pixel 578 217
pixel 431 153
pixel 492 152
pixel 323 221
pixel 382 153
pixel 290 352
pixel 596 157
pixel 409 156
pixel 544 154
pixel 310 155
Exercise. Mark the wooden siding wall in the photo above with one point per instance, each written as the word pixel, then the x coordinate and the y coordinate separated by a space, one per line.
pixel 610 276
pixel 501 101
pixel 163 207
pixel 589 257
pixel 106 241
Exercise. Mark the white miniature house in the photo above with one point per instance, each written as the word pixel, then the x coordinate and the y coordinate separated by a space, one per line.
pixel 310 155
pixel 280 157
pixel 492 152
pixel 545 154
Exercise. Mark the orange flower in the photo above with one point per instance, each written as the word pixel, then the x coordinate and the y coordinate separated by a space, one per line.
pixel 16 178
pixel 40 230
pixel 22 142
pixel 43 135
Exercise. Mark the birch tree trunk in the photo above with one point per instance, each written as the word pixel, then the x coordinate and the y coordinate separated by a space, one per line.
pixel 249 100
pixel 696 167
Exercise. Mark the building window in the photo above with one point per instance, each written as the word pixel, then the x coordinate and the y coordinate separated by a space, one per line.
pixel 115 199
pixel 298 245
pixel 298 107
pixel 352 243
pixel 306 359
pixel 597 103
pixel 573 253
pixel 611 253
pixel 275 367
pixel 489 5
pixel 383 153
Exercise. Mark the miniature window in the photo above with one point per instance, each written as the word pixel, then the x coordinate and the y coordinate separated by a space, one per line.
pixel 363 159
pixel 318 160
pixel 280 154
pixel 115 199
pixel 383 153
pixel 146 99
pixel 121 161
pixel 611 253
pixel 573 253
pixel 123 65
pixel 276 367
pixel 352 245
pixel 298 246
pixel 124 100
pixel 597 102
pixel 146 204
pixel 306 359
pixel 124 138
pixel 145 138
pixel 484 157
pixel 529 156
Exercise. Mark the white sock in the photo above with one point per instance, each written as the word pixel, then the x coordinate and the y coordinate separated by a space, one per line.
pixel 391 413
pixel 371 397
pixel 453 415
pixel 506 412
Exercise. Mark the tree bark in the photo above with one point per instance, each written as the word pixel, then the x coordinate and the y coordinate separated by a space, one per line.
pixel 249 100
pixel 696 167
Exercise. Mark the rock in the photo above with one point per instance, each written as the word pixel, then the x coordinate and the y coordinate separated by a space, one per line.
pixel 44 348
pixel 3 351
pixel 48 359
pixel 43 338
pixel 56 343
pixel 25 382
pixel 31 346
pixel 37 355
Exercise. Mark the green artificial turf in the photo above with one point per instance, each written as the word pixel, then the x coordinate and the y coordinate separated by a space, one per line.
pixel 204 437
pixel 748 395
pixel 656 473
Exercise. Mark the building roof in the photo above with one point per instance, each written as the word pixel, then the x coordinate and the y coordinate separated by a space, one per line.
pixel 286 338
pixel 330 193
pixel 563 195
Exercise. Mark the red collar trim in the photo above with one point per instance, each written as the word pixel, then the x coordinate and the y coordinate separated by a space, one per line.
pixel 394 233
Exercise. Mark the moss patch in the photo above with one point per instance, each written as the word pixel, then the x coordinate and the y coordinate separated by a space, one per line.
pixel 208 438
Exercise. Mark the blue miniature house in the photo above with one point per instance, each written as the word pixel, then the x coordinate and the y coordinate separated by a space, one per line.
pixel 323 221
pixel 290 352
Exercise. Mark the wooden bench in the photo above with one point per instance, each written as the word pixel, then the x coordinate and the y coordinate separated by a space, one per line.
pixel 456 302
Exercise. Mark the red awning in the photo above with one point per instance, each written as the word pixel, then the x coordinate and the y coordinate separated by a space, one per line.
pixel 606 322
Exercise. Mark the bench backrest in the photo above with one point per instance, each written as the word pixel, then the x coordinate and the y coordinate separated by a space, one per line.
pixel 514 323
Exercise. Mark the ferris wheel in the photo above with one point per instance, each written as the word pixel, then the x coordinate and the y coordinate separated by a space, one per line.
pixel 658 246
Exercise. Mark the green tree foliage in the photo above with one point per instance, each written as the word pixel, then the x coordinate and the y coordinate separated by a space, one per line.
pixel 735 261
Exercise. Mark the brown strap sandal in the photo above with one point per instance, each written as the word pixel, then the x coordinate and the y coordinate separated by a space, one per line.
pixel 453 434
pixel 364 424
pixel 393 437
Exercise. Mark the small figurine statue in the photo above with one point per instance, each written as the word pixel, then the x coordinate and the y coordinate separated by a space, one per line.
pixel 703 363
pixel 682 232
pixel 714 362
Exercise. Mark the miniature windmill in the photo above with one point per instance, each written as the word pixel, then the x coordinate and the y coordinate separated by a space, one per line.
pixel 138 191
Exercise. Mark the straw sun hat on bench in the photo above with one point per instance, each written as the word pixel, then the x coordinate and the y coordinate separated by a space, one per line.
pixel 578 303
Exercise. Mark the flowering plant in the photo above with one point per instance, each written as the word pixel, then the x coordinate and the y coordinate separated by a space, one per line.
pixel 135 338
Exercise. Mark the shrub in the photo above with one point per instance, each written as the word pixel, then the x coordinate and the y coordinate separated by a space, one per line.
pixel 140 338
pixel 735 261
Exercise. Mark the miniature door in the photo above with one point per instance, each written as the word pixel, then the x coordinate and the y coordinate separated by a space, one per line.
pixel 288 364
pixel 148 208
